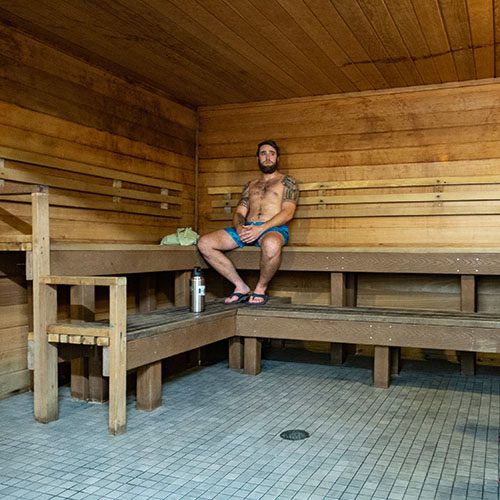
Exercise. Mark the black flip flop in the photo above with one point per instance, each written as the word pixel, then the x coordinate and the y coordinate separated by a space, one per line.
pixel 262 296
pixel 241 298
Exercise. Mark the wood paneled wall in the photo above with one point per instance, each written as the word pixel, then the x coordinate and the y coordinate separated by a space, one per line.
pixel 56 110
pixel 15 317
pixel 427 132
pixel 434 133
pixel 445 134
pixel 59 111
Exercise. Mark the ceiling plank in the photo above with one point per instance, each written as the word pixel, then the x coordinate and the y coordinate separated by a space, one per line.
pixel 482 32
pixel 326 13
pixel 368 38
pixel 456 21
pixel 429 17
pixel 312 26
pixel 407 24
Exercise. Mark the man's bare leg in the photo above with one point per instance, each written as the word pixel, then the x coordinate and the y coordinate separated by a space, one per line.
pixel 212 246
pixel 270 259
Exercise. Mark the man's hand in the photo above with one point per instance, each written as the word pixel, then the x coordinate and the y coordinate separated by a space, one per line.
pixel 250 233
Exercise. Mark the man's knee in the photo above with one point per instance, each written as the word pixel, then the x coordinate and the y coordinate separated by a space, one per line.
pixel 205 244
pixel 271 245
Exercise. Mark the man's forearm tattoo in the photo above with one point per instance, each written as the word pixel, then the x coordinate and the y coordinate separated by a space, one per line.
pixel 245 196
pixel 291 191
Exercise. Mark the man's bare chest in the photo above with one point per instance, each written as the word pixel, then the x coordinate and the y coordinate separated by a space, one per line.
pixel 266 190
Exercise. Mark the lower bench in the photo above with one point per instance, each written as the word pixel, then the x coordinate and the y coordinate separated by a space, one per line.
pixel 141 341
pixel 385 329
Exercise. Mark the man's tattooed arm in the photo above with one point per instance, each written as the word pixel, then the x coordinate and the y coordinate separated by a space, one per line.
pixel 291 191
pixel 239 217
pixel 245 196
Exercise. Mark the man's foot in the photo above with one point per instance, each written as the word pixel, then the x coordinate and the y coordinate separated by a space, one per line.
pixel 237 298
pixel 258 299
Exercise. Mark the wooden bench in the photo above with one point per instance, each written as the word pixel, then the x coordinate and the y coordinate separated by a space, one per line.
pixel 51 264
pixel 143 340
pixel 384 329
pixel 138 341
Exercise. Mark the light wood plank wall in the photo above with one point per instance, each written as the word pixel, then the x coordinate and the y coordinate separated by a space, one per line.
pixel 426 132
pixel 437 131
pixel 56 110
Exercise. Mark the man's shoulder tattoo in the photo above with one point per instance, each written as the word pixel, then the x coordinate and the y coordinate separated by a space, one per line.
pixel 245 196
pixel 291 191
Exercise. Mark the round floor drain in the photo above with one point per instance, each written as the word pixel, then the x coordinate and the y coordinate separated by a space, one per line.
pixel 294 434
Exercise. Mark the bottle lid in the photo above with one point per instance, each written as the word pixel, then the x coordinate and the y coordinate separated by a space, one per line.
pixel 196 272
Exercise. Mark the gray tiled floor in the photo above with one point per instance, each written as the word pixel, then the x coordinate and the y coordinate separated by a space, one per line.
pixel 432 434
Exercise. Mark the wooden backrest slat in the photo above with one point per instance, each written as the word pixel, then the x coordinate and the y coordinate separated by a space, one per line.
pixel 82 189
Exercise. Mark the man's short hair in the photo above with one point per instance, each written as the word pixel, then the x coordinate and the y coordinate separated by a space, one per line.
pixel 271 143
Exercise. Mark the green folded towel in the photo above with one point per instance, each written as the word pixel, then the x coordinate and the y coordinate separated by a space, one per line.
pixel 183 236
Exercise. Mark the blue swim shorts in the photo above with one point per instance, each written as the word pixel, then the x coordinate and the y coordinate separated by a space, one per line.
pixel 283 230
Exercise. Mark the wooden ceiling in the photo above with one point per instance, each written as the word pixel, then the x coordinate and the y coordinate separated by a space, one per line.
pixel 207 52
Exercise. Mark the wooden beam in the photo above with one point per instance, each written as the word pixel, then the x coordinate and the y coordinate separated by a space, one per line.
pixel 236 353
pixel 98 384
pixel 381 367
pixel 149 387
pixel 467 304
pixel 44 313
pixel 118 357
pixel 147 293
pixel 182 288
pixel 343 293
pixel 253 351
pixel 149 379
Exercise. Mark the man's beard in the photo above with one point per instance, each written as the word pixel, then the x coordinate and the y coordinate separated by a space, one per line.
pixel 268 169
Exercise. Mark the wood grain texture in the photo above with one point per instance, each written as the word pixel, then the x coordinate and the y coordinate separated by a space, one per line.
pixel 217 52
pixel 388 168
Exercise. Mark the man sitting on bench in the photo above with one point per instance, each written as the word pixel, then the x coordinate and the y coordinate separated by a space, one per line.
pixel 267 204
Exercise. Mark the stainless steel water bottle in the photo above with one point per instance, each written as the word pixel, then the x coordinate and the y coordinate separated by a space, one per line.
pixel 197 291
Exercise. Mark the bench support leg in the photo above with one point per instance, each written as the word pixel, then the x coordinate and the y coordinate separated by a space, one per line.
pixel 253 350
pixel 468 363
pixel 338 353
pixel 79 378
pixel 468 303
pixel 236 353
pixel 98 384
pixel 118 358
pixel 182 288
pixel 45 383
pixel 82 308
pixel 343 291
pixel 395 360
pixel 381 367
pixel 45 355
pixel 149 386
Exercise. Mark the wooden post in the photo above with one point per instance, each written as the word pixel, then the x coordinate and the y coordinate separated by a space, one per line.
pixel 338 292
pixel 118 356
pixel 381 367
pixel 236 353
pixel 44 313
pixel 149 382
pixel 80 378
pixel 343 288
pixel 149 386
pixel 395 360
pixel 147 293
pixel 182 288
pixel 82 308
pixel 98 384
pixel 467 304
pixel 253 349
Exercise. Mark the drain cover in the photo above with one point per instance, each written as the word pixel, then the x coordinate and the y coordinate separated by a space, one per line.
pixel 294 434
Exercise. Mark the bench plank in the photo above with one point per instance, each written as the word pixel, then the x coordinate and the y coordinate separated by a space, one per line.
pixel 428 330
